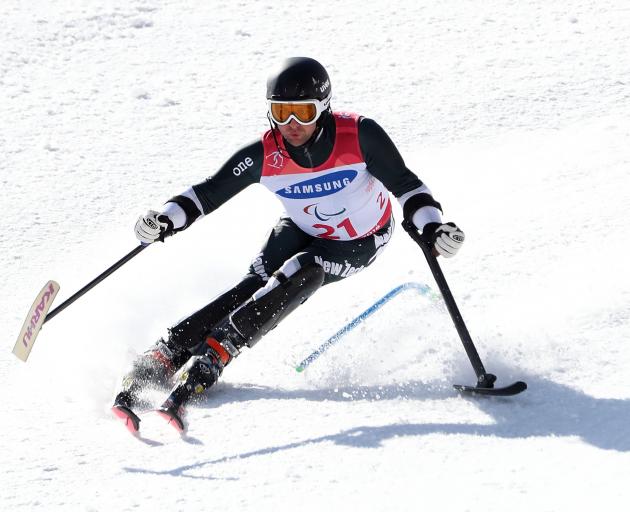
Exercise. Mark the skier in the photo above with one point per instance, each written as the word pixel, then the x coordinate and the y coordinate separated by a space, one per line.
pixel 332 171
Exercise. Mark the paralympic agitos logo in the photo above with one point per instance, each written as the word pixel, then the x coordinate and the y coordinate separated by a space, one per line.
pixel 319 187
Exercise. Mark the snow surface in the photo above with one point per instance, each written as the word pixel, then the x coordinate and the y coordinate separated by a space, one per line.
pixel 517 116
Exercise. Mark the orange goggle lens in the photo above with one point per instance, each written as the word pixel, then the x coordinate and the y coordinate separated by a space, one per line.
pixel 305 112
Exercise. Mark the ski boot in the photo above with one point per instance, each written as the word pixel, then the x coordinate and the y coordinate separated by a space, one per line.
pixel 155 366
pixel 199 373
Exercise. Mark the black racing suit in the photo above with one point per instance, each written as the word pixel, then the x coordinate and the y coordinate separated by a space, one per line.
pixel 340 259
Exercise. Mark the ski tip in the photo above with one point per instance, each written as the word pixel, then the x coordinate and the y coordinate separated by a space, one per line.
pixel 172 419
pixel 299 369
pixel 34 321
pixel 513 389
pixel 128 417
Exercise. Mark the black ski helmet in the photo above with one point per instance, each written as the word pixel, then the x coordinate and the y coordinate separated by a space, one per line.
pixel 299 78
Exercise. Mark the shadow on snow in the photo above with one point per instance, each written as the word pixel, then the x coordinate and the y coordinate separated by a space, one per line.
pixel 546 409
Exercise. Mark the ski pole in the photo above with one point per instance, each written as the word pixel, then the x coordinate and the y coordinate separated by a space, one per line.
pixel 94 282
pixel 485 381
pixel 39 315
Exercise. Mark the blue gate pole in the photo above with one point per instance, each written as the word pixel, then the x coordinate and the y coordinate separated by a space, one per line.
pixel 423 289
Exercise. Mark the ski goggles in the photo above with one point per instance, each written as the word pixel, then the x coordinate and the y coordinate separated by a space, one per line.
pixel 305 112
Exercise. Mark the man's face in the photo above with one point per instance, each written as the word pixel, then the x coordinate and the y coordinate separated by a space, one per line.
pixel 295 133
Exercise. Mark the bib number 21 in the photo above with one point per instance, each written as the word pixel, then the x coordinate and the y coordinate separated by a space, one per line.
pixel 329 231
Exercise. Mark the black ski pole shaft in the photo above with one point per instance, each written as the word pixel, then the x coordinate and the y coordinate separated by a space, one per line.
pixel 94 282
pixel 453 310
pixel 462 330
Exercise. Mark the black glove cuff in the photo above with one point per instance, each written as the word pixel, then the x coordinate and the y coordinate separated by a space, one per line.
pixel 169 227
pixel 428 232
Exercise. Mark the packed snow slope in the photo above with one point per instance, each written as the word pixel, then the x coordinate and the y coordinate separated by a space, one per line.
pixel 514 113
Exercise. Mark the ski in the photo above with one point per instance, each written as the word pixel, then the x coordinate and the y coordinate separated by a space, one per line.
pixel 39 313
pixel 128 417
pixel 173 414
pixel 513 389
pixel 173 419
pixel 37 316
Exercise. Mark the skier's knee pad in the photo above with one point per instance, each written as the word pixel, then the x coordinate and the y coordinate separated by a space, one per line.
pixel 257 317
pixel 192 330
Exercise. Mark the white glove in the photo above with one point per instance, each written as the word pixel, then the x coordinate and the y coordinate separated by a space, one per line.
pixel 447 239
pixel 153 226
